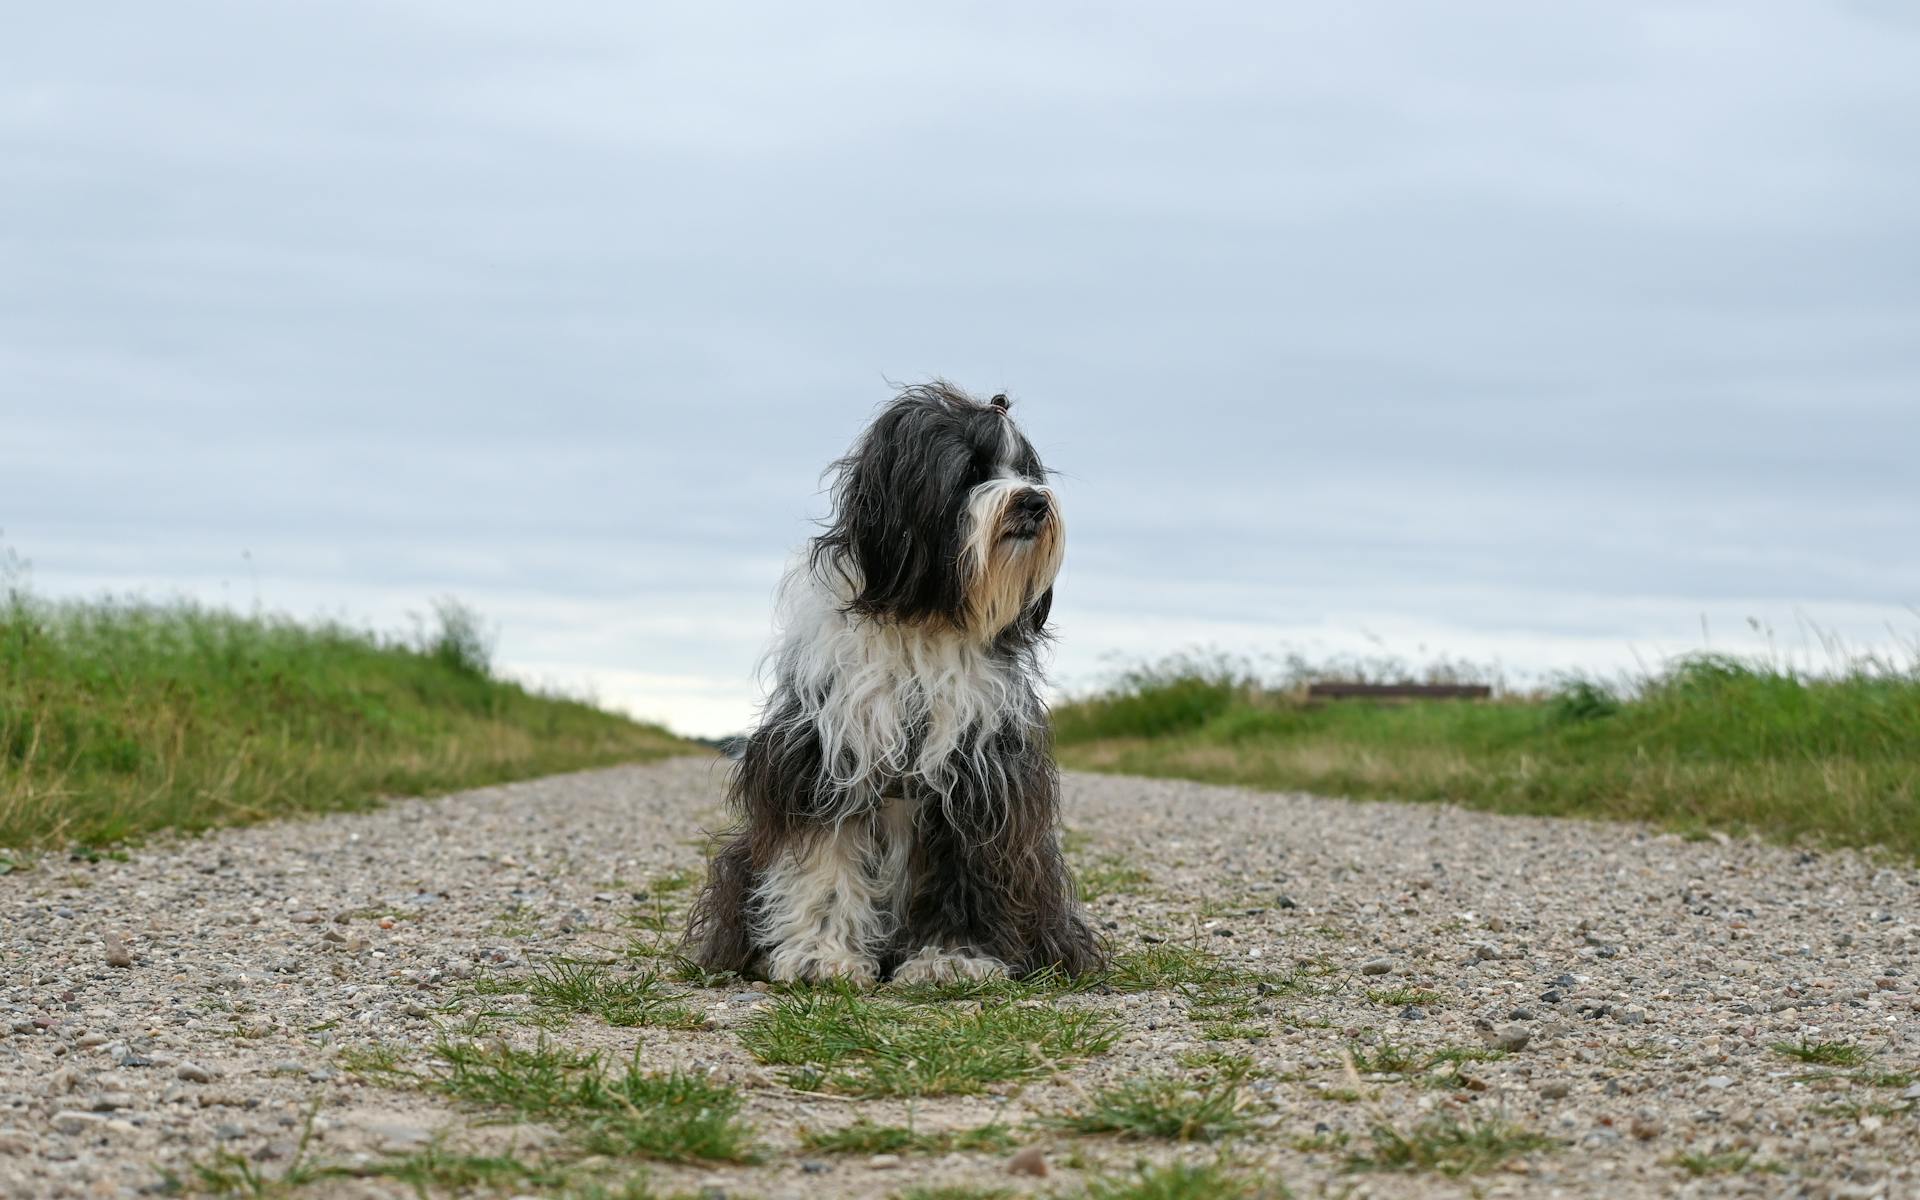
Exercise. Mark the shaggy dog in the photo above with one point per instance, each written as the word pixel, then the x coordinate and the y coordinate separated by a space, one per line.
pixel 897 802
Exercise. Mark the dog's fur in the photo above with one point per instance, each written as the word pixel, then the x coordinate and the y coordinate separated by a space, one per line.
pixel 898 801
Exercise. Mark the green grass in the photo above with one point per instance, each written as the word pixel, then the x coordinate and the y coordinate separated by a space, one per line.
pixel 1710 742
pixel 866 1137
pixel 670 1117
pixel 1185 1181
pixel 1448 1147
pixel 625 1001
pixel 839 1041
pixel 120 717
pixel 1826 1054
pixel 1165 1107
pixel 1730 1162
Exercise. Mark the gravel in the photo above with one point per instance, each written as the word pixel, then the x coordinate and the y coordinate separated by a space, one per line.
pixel 198 996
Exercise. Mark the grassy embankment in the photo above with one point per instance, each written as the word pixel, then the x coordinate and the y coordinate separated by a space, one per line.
pixel 122 717
pixel 1709 743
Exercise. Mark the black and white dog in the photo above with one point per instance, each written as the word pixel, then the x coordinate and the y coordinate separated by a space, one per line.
pixel 898 800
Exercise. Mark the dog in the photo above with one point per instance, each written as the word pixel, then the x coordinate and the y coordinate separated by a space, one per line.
pixel 897 803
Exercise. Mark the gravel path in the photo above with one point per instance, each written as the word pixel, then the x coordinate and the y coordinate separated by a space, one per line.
pixel 206 995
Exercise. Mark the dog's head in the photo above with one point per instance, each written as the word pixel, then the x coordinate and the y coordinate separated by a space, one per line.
pixel 942 514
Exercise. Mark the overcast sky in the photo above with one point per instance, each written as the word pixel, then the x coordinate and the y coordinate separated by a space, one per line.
pixel 1559 334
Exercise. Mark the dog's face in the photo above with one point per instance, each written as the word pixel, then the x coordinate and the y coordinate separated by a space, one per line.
pixel 942 514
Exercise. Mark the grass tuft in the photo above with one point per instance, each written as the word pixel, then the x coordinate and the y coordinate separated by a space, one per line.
pixel 1185 1181
pixel 625 1001
pixel 1448 1147
pixel 1826 1054
pixel 1165 1107
pixel 672 1117
pixel 842 1042
pixel 866 1137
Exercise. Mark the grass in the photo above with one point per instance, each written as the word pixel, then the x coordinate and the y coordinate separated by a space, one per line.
pixel 625 1001
pixel 1167 1108
pixel 670 1117
pixel 1448 1147
pixel 839 1041
pixel 1730 1162
pixel 1826 1054
pixel 1708 742
pixel 866 1137
pixel 1185 1181
pixel 121 717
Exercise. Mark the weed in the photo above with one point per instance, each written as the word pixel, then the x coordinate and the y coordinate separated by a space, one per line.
pixel 571 985
pixel 1447 1146
pixel 1162 1107
pixel 1184 1181
pixel 1727 1162
pixel 672 1117
pixel 843 1042
pixel 1826 1054
pixel 865 1137
pixel 1401 997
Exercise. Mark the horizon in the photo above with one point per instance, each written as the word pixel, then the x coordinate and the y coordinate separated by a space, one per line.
pixel 1563 339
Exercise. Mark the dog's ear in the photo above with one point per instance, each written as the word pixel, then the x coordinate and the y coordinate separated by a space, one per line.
pixel 1042 607
pixel 898 501
pixel 1000 401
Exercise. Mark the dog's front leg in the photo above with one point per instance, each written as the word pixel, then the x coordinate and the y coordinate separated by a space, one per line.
pixel 820 910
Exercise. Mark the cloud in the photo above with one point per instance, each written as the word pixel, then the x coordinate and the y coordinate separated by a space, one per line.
pixel 1376 314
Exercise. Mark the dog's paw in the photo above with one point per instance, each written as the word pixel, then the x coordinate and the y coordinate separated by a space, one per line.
pixel 934 965
pixel 823 968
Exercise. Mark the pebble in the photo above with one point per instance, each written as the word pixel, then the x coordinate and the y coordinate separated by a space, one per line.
pixel 1719 1083
pixel 72 1121
pixel 194 1073
pixel 117 952
pixel 1032 1160
pixel 1376 966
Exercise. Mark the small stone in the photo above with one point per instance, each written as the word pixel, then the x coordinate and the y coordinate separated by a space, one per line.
pixel 1644 1127
pixel 71 1121
pixel 1030 1161
pixel 1521 1014
pixel 227 1132
pixel 1719 1083
pixel 1413 1012
pixel 110 1101
pixel 193 1072
pixel 118 953
pixel 306 917
pixel 1286 902
pixel 1553 996
pixel 1555 1089
pixel 288 1066
pixel 88 1041
pixel 746 997
pixel 814 1166
pixel 13 1141
pixel 1376 966
pixel 884 1162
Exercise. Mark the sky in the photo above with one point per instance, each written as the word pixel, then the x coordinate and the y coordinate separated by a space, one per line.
pixel 1549 336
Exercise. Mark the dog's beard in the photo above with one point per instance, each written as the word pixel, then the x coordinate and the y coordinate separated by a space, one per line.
pixel 1004 565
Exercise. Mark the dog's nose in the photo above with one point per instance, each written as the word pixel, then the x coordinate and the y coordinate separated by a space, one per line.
pixel 1032 503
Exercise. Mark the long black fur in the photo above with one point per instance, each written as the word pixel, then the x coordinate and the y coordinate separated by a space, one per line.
pixel 987 876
